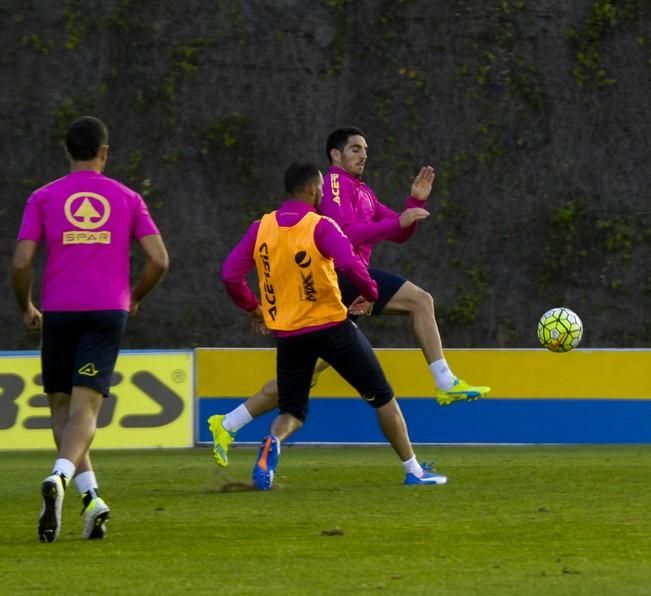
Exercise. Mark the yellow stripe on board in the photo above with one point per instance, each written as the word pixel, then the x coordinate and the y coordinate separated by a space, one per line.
pixel 229 372
pixel 521 374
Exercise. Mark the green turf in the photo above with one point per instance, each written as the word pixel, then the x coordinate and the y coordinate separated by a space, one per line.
pixel 511 521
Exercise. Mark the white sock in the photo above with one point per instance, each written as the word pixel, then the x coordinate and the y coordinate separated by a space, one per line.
pixel 412 466
pixel 86 482
pixel 443 376
pixel 64 467
pixel 237 418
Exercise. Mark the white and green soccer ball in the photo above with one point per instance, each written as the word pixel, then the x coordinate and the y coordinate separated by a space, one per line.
pixel 560 329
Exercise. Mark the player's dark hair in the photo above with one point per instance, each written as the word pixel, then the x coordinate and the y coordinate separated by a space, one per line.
pixel 85 137
pixel 299 175
pixel 339 138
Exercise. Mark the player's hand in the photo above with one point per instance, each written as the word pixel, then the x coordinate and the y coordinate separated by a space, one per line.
pixel 421 187
pixel 412 215
pixel 133 308
pixel 32 318
pixel 360 306
pixel 257 322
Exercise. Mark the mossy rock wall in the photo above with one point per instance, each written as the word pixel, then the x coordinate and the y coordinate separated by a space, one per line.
pixel 535 116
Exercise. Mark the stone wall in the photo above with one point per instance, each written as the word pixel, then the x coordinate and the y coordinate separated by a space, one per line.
pixel 535 116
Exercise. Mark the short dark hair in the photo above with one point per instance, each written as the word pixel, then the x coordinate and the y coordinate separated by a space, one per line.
pixel 85 137
pixel 299 175
pixel 339 138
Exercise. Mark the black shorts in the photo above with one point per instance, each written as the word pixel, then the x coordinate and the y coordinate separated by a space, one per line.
pixel 345 348
pixel 81 348
pixel 387 284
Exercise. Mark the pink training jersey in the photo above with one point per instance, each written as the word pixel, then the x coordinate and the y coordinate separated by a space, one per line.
pixel 365 220
pixel 87 222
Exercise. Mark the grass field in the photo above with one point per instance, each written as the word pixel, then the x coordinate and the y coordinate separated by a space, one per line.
pixel 511 521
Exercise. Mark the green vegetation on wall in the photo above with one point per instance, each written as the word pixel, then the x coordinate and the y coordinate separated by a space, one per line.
pixel 606 17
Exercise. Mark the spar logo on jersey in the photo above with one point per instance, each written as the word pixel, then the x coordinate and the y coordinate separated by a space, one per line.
pixel 303 260
pixel 87 211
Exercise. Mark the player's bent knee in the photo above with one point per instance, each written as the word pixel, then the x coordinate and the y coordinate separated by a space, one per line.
pixel 414 299
pixel 425 299
pixel 421 302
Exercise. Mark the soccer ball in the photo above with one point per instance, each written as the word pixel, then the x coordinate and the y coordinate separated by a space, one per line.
pixel 560 329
